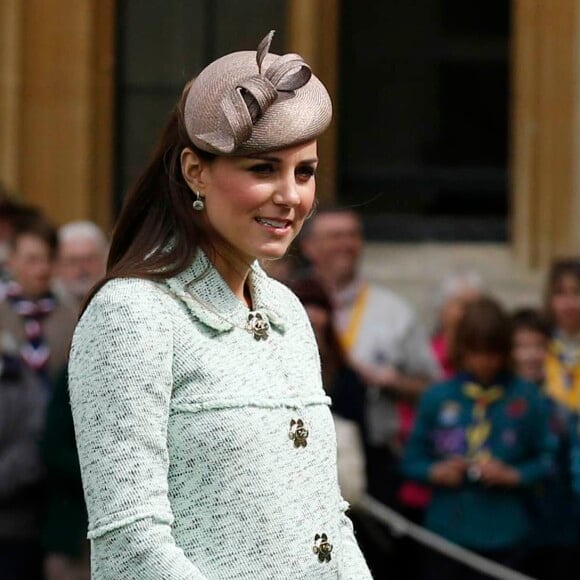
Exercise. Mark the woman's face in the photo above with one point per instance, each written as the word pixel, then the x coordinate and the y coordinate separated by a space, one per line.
pixel 565 304
pixel 257 205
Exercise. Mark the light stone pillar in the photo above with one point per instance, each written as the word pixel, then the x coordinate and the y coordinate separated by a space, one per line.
pixel 10 73
pixel 56 105
pixel 313 32
pixel 546 130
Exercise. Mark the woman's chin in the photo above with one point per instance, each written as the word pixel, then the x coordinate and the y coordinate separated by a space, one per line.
pixel 272 253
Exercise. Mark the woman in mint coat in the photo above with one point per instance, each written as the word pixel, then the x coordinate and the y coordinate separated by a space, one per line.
pixel 206 443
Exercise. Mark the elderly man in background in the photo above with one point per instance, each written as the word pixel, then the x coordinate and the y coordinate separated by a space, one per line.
pixel 82 258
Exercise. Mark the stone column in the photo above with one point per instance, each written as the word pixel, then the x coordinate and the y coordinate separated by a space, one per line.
pixel 10 33
pixel 546 130
pixel 313 32
pixel 58 100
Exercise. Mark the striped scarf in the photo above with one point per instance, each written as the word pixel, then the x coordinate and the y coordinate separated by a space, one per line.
pixel 35 351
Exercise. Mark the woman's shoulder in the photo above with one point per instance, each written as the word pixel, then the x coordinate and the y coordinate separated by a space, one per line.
pixel 126 299
pixel 118 289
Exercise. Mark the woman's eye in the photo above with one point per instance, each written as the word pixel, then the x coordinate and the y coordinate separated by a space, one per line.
pixel 262 168
pixel 306 172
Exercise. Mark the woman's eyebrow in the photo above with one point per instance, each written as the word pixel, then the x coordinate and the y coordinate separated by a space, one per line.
pixel 279 160
pixel 265 158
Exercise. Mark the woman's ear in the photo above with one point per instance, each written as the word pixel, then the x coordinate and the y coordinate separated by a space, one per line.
pixel 191 168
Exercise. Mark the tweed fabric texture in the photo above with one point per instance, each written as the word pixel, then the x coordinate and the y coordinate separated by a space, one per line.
pixel 182 422
pixel 251 102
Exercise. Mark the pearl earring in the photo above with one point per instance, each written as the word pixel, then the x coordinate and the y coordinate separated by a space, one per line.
pixel 198 204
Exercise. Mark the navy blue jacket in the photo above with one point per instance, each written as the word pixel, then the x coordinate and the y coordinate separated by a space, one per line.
pixel 475 515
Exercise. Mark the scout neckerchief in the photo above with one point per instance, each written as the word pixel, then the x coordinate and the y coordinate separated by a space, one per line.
pixel 349 335
pixel 563 373
pixel 35 351
pixel 479 431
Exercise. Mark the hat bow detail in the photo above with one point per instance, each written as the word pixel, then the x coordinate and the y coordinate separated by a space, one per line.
pixel 242 107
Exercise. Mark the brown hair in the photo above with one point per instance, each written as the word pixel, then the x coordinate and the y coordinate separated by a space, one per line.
pixel 530 319
pixel 16 214
pixel 484 327
pixel 559 269
pixel 158 233
pixel 310 291
pixel 37 227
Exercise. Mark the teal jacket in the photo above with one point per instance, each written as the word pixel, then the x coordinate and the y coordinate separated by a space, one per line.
pixel 474 515
pixel 552 499
pixel 206 445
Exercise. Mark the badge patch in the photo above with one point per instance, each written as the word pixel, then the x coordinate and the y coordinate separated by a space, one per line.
pixel 449 414
pixel 449 441
pixel 509 437
pixel 517 408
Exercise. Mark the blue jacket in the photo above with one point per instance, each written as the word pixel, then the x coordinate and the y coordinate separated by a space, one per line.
pixel 553 497
pixel 474 515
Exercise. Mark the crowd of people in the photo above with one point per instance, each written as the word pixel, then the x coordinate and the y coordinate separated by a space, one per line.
pixel 471 432
pixel 44 275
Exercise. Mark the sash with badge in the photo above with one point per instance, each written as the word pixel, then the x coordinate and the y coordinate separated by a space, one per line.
pixel 479 432
pixel 563 373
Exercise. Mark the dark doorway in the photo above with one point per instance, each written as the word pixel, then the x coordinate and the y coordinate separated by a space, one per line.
pixel 424 96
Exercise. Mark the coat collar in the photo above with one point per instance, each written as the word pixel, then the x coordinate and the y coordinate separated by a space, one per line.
pixel 211 301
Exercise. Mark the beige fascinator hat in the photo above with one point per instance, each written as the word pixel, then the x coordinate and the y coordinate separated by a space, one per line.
pixel 254 101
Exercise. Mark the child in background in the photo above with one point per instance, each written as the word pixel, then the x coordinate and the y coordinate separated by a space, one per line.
pixel 480 440
pixel 530 339
pixel 563 361
pixel 555 534
pixel 563 308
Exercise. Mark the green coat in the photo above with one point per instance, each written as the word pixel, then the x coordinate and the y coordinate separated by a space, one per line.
pixel 207 451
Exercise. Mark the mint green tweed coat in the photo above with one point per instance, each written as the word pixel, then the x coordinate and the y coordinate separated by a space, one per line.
pixel 184 425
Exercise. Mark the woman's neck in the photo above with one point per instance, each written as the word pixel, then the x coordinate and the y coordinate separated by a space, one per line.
pixel 234 271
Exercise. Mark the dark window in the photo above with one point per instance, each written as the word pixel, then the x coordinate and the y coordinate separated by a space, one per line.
pixel 424 117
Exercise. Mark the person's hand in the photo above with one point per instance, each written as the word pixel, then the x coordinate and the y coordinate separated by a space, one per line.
pixel 449 472
pixel 386 377
pixel 496 472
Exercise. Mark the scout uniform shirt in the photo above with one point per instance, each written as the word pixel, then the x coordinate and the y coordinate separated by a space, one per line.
pixel 505 421
pixel 562 387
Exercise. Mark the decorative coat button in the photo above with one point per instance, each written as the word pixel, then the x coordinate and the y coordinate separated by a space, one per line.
pixel 298 433
pixel 258 325
pixel 322 547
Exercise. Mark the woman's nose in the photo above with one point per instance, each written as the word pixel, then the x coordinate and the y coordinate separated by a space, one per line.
pixel 287 193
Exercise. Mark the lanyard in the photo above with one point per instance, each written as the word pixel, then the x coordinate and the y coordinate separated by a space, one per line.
pixel 563 377
pixel 350 334
pixel 478 433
